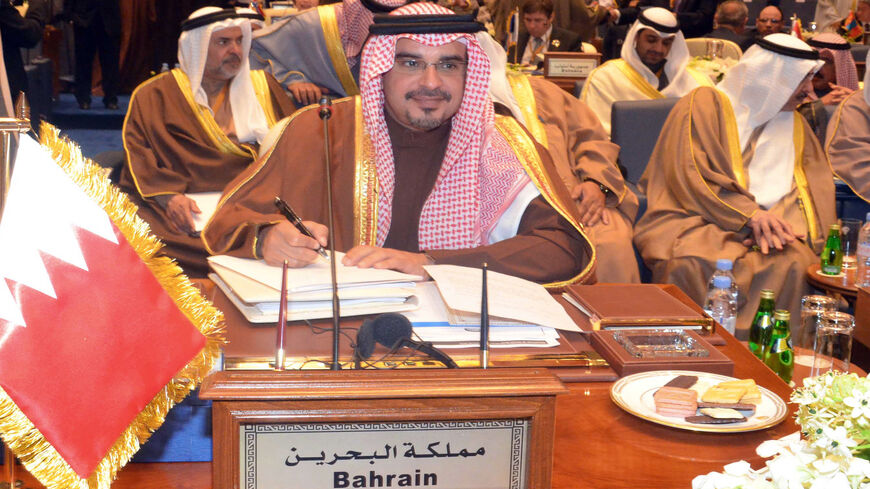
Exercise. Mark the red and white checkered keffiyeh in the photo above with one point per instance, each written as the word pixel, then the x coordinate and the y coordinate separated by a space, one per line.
pixel 353 20
pixel 847 72
pixel 480 174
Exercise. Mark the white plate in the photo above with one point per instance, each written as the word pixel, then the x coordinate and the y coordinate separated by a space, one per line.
pixel 634 393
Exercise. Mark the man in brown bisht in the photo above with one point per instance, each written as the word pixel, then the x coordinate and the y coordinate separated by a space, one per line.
pixel 848 141
pixel 423 172
pixel 190 131
pixel 737 174
pixel 583 155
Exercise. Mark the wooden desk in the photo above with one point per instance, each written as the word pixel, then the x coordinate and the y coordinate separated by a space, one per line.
pixel 834 286
pixel 597 444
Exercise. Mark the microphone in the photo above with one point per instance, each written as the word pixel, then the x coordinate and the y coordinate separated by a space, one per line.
pixel 325 111
pixel 394 332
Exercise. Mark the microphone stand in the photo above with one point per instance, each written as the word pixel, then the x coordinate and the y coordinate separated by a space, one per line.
pixel 325 113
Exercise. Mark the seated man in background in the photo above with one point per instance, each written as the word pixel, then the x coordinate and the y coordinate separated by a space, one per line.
pixel 848 141
pixel 423 171
pixel 540 34
pixel 838 77
pixel 769 21
pixel 762 196
pixel 318 51
pixel 654 64
pixel 584 157
pixel 730 21
pixel 193 129
pixel 834 81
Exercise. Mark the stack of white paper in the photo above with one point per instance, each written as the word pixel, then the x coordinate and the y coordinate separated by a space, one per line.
pixel 522 313
pixel 254 287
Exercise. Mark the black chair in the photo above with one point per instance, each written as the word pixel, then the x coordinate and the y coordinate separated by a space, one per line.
pixel 635 126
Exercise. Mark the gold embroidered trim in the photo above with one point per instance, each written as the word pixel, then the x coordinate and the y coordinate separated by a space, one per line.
pixel 694 160
pixel 525 96
pixel 25 441
pixel 839 114
pixel 524 148
pixel 260 162
pixel 206 120
pixel 127 158
pixel 636 79
pixel 365 185
pixel 264 95
pixel 329 24
pixel 800 179
pixel 733 136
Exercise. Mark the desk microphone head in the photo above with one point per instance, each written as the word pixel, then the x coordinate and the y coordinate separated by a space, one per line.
pixel 325 108
pixel 393 331
pixel 386 329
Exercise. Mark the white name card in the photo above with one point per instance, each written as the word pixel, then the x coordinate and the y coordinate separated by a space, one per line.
pixel 479 454
pixel 571 67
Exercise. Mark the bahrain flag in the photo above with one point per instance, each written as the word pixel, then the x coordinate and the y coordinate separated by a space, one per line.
pixel 99 337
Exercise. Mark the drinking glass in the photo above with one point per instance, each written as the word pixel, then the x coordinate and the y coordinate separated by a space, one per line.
pixel 812 308
pixel 833 343
pixel 715 48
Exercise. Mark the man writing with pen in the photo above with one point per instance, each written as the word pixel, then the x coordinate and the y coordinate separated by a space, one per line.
pixel 423 171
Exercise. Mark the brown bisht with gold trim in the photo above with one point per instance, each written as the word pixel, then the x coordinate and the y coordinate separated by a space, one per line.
pixel 173 145
pixel 699 206
pixel 293 170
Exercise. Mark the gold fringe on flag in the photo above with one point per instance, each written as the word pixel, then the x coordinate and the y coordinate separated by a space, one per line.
pixel 25 441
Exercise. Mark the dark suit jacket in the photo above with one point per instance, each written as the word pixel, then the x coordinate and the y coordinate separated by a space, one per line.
pixel 20 32
pixel 695 16
pixel 83 13
pixel 567 41
pixel 743 40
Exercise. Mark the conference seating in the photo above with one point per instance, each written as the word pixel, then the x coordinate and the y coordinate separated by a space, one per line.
pixel 635 126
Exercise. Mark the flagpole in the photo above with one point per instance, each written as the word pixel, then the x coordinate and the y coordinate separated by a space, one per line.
pixel 8 126
pixel 18 124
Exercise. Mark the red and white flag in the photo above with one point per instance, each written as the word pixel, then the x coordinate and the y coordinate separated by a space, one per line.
pixel 99 338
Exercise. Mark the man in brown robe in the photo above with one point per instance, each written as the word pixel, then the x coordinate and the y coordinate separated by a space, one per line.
pixel 584 157
pixel 429 176
pixel 848 140
pixel 193 129
pixel 737 174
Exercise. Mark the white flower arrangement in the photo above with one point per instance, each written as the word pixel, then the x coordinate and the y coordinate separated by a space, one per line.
pixel 714 68
pixel 830 452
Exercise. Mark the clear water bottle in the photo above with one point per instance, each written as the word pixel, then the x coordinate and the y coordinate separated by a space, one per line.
pixel 164 67
pixel 721 304
pixel 723 269
pixel 862 279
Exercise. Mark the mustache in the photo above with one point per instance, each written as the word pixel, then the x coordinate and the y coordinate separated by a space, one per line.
pixel 425 92
pixel 233 58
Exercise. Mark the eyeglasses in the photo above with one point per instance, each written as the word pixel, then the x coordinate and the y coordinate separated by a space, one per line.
pixel 770 21
pixel 414 66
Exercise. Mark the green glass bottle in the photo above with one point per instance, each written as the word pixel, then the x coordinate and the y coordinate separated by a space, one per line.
pixel 779 355
pixel 762 325
pixel 832 255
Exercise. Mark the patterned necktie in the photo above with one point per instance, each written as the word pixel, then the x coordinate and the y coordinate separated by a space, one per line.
pixel 537 46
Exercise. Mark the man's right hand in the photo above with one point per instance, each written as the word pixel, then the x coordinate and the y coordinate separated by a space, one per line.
pixel 284 242
pixel 769 231
pixel 305 93
pixel 836 95
pixel 180 210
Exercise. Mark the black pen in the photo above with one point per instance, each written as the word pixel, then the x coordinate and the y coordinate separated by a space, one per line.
pixel 294 219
